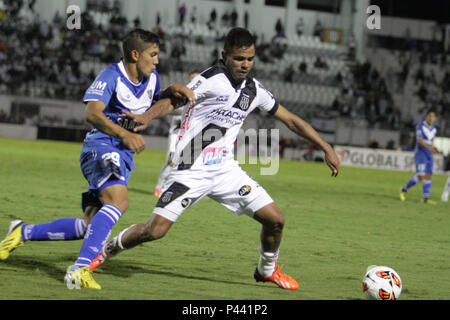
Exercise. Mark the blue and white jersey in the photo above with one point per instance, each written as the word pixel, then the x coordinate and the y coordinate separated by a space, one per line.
pixel 427 133
pixel 113 87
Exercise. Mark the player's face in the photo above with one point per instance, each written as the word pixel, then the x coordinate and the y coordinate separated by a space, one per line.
pixel 431 118
pixel 148 60
pixel 240 61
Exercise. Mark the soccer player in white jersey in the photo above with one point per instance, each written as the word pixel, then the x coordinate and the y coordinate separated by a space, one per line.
pixel 423 157
pixel 225 95
pixel 106 158
pixel 446 191
pixel 174 129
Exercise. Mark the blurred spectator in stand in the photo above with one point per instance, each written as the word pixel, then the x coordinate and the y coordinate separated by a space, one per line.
pixel 194 15
pixel 318 29
pixel 234 18
pixel 137 22
pixel 373 143
pixel 158 19
pixel 279 29
pixel 320 64
pixel 390 145
pixel 178 49
pixel 214 56
pixel 289 73
pixel 303 67
pixel 212 19
pixel 300 26
pixel 225 19
pixel 181 14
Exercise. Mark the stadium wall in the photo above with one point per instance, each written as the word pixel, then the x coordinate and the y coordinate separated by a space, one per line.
pixel 67 112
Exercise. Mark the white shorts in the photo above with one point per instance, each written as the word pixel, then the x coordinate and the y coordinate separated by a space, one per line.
pixel 231 187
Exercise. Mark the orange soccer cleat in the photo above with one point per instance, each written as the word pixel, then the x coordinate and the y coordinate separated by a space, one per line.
pixel 280 279
pixel 97 262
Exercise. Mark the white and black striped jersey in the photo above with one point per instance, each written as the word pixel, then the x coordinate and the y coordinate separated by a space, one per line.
pixel 210 127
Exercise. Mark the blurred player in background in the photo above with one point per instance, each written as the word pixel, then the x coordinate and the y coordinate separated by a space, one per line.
pixel 423 156
pixel 106 158
pixel 225 95
pixel 446 191
pixel 174 129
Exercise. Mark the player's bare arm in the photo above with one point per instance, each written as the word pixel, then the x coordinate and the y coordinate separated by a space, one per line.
pixel 175 96
pixel 160 109
pixel 96 117
pixel 304 129
pixel 423 143
pixel 180 94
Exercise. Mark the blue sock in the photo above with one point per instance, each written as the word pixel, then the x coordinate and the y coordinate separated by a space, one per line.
pixel 61 229
pixel 426 184
pixel 412 182
pixel 97 233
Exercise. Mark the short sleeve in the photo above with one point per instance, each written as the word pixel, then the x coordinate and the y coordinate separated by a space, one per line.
pixel 419 133
pixel 266 100
pixel 102 88
pixel 200 86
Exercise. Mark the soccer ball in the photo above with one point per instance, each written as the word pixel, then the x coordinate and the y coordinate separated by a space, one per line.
pixel 381 283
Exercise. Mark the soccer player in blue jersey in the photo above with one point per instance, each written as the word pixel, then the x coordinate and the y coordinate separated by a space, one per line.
pixel 423 156
pixel 106 158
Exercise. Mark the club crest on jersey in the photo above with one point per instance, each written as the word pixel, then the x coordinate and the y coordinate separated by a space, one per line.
pixel 167 196
pixel 245 102
pixel 244 190
pixel 150 94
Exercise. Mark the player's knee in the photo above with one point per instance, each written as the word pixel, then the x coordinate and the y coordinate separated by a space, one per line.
pixel 277 223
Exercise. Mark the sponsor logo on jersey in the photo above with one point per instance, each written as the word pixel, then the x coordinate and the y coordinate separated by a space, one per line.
pixel 196 85
pixel 244 190
pixel 212 155
pixel 228 116
pixel 128 124
pixel 97 87
pixel 222 98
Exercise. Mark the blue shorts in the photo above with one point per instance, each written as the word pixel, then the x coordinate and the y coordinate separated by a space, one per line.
pixel 423 166
pixel 105 165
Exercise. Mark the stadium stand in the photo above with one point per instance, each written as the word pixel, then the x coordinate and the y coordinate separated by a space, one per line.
pixel 317 80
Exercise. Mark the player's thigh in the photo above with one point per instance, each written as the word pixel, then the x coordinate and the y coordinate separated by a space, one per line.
pixel 240 193
pixel 116 194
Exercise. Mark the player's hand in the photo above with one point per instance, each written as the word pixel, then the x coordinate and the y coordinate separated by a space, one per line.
pixel 135 142
pixel 182 92
pixel 332 161
pixel 141 119
pixel 434 150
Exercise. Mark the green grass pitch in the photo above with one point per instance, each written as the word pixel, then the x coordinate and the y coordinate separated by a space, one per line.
pixel 335 228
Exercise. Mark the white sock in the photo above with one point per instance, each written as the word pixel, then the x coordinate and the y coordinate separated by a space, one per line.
pixel 447 186
pixel 120 235
pixel 267 262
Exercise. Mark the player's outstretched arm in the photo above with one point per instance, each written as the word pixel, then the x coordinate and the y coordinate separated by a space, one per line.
pixel 173 97
pixel 180 95
pixel 304 129
pixel 96 117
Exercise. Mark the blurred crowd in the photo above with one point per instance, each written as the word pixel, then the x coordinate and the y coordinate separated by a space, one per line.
pixel 44 58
